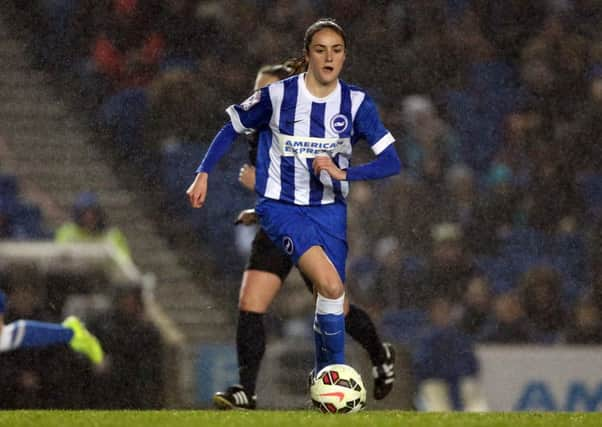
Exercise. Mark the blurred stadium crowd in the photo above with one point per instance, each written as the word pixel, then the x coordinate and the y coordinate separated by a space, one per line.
pixel 494 228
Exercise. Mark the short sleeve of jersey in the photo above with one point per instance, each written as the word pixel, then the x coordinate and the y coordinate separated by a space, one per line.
pixel 368 125
pixel 253 113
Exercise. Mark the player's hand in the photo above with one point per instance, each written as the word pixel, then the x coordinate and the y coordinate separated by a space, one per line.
pixel 197 192
pixel 246 217
pixel 246 176
pixel 325 163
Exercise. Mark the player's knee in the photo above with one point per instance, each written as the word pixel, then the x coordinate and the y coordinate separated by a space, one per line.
pixel 252 303
pixel 247 304
pixel 330 289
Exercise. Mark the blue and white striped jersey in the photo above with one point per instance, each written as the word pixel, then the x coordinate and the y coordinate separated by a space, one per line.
pixel 294 127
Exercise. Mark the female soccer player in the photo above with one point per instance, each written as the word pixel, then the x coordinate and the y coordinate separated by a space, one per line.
pixel 31 333
pixel 267 268
pixel 307 126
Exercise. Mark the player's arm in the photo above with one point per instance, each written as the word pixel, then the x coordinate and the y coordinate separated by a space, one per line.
pixel 246 176
pixel 247 116
pixel 369 126
pixel 385 164
pixel 197 192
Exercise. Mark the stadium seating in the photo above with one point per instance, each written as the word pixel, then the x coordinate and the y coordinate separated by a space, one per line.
pixel 8 187
pixel 124 114
pixel 24 218
pixel 28 222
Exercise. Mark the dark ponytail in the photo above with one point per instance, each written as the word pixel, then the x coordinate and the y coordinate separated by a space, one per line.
pixel 280 71
pixel 296 65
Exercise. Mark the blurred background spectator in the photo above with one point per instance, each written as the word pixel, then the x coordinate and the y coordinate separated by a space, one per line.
pixel 133 350
pixel 89 225
pixel 541 288
pixel 445 365
pixel 508 324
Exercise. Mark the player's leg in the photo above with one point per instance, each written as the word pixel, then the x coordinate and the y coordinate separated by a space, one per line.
pixel 329 321
pixel 265 271
pixel 360 326
pixel 315 239
pixel 83 341
pixel 31 333
pixel 258 290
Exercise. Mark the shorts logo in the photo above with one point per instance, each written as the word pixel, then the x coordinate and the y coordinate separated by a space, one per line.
pixel 339 123
pixel 251 101
pixel 287 244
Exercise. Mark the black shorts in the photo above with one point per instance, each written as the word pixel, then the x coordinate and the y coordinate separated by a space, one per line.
pixel 266 256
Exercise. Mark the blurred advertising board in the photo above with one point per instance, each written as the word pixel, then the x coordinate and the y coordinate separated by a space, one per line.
pixel 528 378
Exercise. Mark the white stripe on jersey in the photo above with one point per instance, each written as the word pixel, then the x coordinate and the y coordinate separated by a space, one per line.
pixel 383 143
pixel 276 92
pixel 20 325
pixel 235 119
pixel 357 98
pixel 302 178
pixel 273 187
pixel 301 126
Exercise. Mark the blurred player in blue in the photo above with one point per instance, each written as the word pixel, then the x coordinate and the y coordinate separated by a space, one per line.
pixel 31 333
pixel 307 126
pixel 267 268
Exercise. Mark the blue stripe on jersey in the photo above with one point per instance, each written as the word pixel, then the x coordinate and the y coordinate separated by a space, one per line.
pixel 316 130
pixel 346 110
pixel 288 107
pixel 287 127
pixel 287 178
pixel 318 110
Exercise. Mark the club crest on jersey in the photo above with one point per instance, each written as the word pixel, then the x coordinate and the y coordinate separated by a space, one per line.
pixel 339 123
pixel 287 244
pixel 251 101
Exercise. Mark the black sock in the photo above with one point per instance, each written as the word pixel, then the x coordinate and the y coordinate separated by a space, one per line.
pixel 250 346
pixel 359 325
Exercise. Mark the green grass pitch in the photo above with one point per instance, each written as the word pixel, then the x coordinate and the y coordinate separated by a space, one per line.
pixel 206 418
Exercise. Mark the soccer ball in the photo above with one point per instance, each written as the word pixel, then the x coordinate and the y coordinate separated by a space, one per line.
pixel 338 389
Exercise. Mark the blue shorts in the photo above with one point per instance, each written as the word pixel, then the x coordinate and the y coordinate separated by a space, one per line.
pixel 295 229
